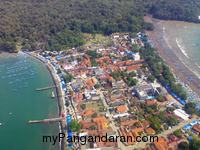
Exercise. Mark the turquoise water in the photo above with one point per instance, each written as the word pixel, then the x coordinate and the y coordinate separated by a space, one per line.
pixel 19 102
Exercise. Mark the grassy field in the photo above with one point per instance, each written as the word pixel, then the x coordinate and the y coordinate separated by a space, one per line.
pixel 98 106
pixel 97 40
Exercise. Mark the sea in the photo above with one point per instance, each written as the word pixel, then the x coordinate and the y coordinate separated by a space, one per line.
pixel 184 39
pixel 20 75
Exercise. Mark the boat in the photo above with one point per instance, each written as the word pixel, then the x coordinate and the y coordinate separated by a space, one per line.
pixel 1 124
pixel 52 95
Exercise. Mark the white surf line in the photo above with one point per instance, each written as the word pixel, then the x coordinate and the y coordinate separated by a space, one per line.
pixel 196 73
pixel 186 55
pixel 197 65
pixel 181 48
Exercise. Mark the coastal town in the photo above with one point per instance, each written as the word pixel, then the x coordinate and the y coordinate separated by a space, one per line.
pixel 106 87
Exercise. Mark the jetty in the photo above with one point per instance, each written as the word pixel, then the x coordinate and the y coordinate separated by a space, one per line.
pixel 46 88
pixel 51 120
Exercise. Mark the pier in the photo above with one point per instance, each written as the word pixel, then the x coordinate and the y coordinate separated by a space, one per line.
pixel 46 88
pixel 51 120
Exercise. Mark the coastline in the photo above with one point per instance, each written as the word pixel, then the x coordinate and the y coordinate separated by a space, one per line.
pixel 58 92
pixel 178 66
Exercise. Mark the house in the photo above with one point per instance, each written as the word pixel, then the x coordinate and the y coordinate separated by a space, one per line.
pixel 137 131
pixel 90 82
pixel 151 102
pixel 133 67
pixel 145 124
pixel 116 99
pixel 150 131
pixel 128 123
pixel 196 129
pixel 122 109
pixel 78 97
pixel 88 113
pixel 160 144
pixel 121 115
pixel 119 84
pixel 101 122
pixel 87 125
pixel 126 133
pixel 95 96
pixel 181 114
pixel 136 56
pixel 144 91
pixel 85 62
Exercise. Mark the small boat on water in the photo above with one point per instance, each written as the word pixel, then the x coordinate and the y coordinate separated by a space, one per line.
pixel 1 124
pixel 52 94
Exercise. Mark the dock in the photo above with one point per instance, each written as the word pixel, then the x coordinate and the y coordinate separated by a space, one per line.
pixel 51 120
pixel 46 88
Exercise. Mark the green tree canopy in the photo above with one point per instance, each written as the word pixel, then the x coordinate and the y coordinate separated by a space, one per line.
pixel 178 133
pixel 190 108
pixel 75 126
pixel 183 146
pixel 194 144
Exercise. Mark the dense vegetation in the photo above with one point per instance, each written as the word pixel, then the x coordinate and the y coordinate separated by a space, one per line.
pixel 75 126
pixel 42 24
pixel 185 10
pixel 194 144
pixel 161 71
pixel 190 108
pixel 156 120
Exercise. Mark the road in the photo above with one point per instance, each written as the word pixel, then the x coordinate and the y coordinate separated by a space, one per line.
pixel 112 124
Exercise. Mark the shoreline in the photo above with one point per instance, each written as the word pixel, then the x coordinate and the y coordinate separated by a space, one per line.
pixel 57 90
pixel 178 67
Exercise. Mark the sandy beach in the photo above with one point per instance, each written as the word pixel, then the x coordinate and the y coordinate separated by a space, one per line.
pixel 173 57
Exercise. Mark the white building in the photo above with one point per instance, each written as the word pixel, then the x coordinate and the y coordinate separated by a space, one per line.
pixel 136 56
pixel 182 114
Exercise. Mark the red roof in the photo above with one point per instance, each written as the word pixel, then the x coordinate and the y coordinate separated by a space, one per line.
pixel 79 97
pixel 88 112
pixel 128 122
pixel 150 131
pixel 151 102
pixel 133 67
pixel 161 144
pixel 122 108
pixel 90 82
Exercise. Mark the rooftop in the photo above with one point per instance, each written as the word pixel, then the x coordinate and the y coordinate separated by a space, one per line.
pixel 122 108
pixel 161 144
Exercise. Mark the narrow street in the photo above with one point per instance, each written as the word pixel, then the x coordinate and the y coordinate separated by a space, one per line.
pixel 112 124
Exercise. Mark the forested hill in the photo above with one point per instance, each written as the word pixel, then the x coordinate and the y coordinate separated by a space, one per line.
pixel 57 24
pixel 184 10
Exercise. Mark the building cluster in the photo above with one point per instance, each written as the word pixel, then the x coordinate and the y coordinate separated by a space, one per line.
pixel 107 90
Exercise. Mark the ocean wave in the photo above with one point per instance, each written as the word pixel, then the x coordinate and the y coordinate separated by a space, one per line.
pixel 182 48
pixel 191 69
pixel 197 65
